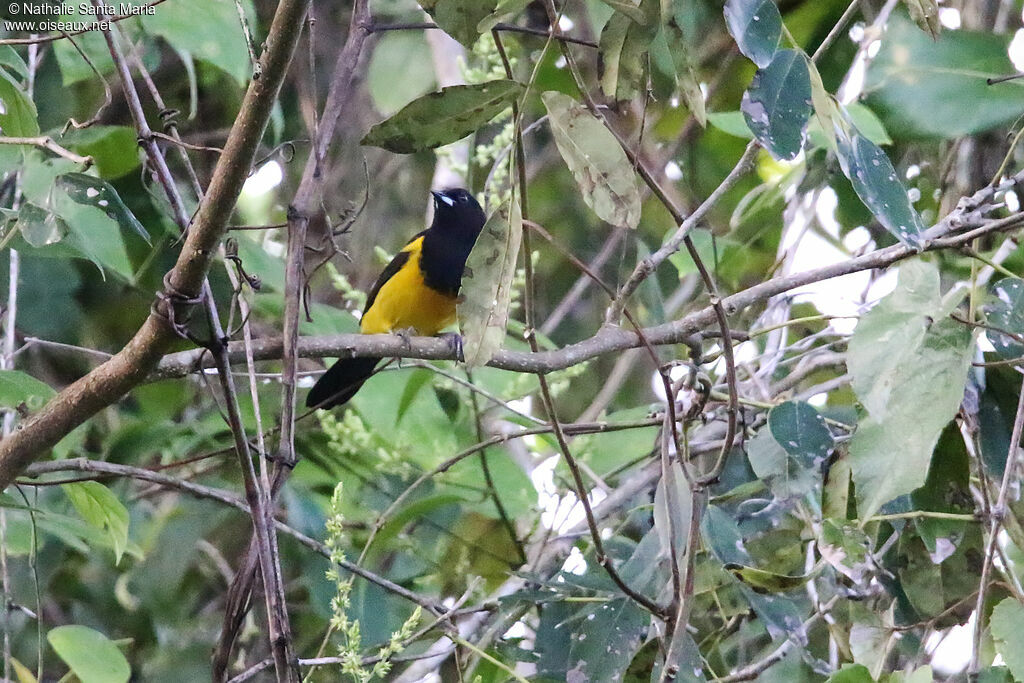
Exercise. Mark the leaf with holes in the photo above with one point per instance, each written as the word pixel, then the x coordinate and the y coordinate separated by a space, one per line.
pixel 777 105
pixel 487 285
pixel 85 189
pixel 91 656
pixel 600 167
pixel 757 27
pixel 801 431
pixel 1006 312
pixel 874 179
pixel 443 117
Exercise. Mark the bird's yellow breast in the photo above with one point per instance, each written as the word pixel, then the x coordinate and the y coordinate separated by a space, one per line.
pixel 405 302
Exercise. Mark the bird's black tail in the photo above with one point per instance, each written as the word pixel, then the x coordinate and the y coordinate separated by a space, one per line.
pixel 341 382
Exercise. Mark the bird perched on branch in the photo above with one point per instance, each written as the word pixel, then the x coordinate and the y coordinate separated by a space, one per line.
pixel 416 293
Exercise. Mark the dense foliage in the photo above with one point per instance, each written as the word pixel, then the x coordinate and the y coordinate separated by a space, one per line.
pixel 748 289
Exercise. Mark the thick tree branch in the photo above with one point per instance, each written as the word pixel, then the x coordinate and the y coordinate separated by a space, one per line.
pixel 112 380
pixel 608 339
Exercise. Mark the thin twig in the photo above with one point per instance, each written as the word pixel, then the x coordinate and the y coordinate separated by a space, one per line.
pixel 999 509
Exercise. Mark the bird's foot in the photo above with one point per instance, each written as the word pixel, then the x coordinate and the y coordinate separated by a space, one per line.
pixel 454 340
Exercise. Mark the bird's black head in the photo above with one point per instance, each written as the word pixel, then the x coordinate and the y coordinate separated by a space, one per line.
pixel 457 211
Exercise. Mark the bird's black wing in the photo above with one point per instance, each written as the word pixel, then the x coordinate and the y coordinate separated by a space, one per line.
pixel 400 259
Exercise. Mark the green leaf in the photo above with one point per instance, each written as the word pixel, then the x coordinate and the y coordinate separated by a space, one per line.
pixel 209 30
pixel 757 27
pixel 925 14
pixel 909 366
pixel 10 59
pixel 16 388
pixel 460 18
pixel 443 117
pixel 623 50
pixel 405 52
pixel 876 183
pixel 417 380
pixel 486 291
pixel 1006 312
pixel 777 105
pixel 600 167
pixel 90 655
pixel 90 191
pixel 1007 626
pixel 18 116
pixel 910 81
pixel 870 126
pixel 801 431
pixel 851 673
pixel 100 508
pixel 114 149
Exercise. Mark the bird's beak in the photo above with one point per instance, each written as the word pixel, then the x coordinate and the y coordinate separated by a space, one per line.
pixel 442 197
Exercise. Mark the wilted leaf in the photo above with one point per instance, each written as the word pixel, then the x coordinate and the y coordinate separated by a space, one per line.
pixel 683 500
pixel 443 117
pixel 90 655
pixel 919 85
pixel 777 105
pixel 624 45
pixel 598 164
pixel 757 27
pixel 460 18
pixel 909 365
pixel 925 14
pixel 487 285
pixel 17 111
pixel 1006 312
pixel 685 69
pixel 85 189
pixel 16 388
pixel 876 183
pixel 1007 626
pixel 99 507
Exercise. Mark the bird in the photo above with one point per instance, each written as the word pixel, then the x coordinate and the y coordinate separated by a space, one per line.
pixel 416 293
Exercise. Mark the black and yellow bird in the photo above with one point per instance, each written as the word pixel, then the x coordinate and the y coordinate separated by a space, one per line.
pixel 416 292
